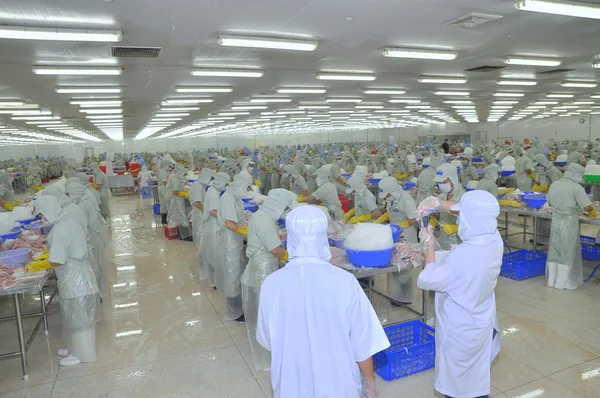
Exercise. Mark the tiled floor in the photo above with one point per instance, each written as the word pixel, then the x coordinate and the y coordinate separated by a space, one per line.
pixel 162 335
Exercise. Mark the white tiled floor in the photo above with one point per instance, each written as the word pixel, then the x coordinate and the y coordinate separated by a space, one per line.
pixel 179 347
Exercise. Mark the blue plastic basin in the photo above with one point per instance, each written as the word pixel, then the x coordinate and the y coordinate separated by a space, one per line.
pixel 373 258
pixel 396 232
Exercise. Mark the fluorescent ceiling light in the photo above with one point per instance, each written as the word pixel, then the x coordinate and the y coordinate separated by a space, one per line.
pixel 506 94
pixel 11 104
pixel 233 113
pixel 384 91
pixel 178 109
pixel 53 126
pixel 161 115
pixel 446 80
pixel 418 107
pixel 203 89
pixel 403 101
pixel 313 107
pixel 44 122
pixel 345 76
pixel 342 100
pixel 419 53
pixel 186 101
pixel 83 71
pixel 270 99
pixel 583 102
pixel 560 95
pixel 88 90
pixel 94 117
pixel 166 119
pixel 35 118
pixel 458 102
pixel 270 43
pixel 301 90
pixel 532 61
pixel 568 8
pixel 579 84
pixel 99 104
pixel 221 118
pixel 595 96
pixel 505 102
pixel 101 111
pixel 227 72
pixel 457 93
pixel 59 34
pixel 369 106
pixel 508 82
pixel 546 102
pixel 248 107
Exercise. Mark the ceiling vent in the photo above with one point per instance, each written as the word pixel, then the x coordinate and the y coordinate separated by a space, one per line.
pixel 135 52
pixel 555 71
pixel 484 69
pixel 472 20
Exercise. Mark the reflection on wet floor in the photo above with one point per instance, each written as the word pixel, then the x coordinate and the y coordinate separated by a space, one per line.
pixel 162 334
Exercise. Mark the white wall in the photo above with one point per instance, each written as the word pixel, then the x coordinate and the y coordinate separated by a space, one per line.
pixel 557 128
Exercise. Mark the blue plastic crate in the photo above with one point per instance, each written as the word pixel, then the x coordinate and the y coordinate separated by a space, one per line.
pixel 409 185
pixel 477 160
pixel 589 251
pixel 156 209
pixel 396 232
pixel 371 258
pixel 506 173
pixel 425 166
pixel 412 350
pixel 247 200
pixel 560 164
pixel 523 264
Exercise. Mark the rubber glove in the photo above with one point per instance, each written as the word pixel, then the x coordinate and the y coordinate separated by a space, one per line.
pixel 285 257
pixel 268 169
pixel 301 198
pixel 95 186
pixel 450 229
pixel 401 176
pixel 433 222
pixel 343 181
pixel 349 214
pixel 43 256
pixel 540 188
pixel 404 224
pixel 37 266
pixel 532 176
pixel 184 194
pixel 593 213
pixel 385 217
pixel 243 230
pixel 357 219
pixel 256 182
pixel 509 203
pixel 37 187
pixel 9 206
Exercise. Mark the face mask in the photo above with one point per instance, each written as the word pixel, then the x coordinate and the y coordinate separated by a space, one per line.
pixel 465 163
pixel 446 187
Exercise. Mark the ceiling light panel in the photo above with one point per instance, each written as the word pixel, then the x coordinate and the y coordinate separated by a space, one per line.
pixel 560 95
pixel 508 94
pixel 301 90
pixel 442 80
pixel 226 72
pixel 510 82
pixel 203 89
pixel 532 61
pixel 59 34
pixel 345 76
pixel 77 71
pixel 419 53
pixel 568 8
pixel 267 43
pixel 452 93
pixel 101 111
pixel 579 84
pixel 89 90
pixel 270 99
pixel 384 91
pixel 186 101
pixel 343 100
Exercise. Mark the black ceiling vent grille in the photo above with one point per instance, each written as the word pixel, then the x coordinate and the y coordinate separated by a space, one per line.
pixel 556 71
pixel 484 69
pixel 135 52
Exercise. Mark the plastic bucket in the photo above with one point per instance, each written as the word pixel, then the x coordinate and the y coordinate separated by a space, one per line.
pixel 370 258
pixel 396 232
pixel 346 203
pixel 506 173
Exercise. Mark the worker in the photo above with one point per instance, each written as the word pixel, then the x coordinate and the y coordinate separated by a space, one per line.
pixel 564 268
pixel 101 184
pixel 208 243
pixel 68 206
pixel 365 204
pixel 489 181
pixel 447 178
pixel 163 198
pixel 338 180
pixel 524 170
pixel 94 233
pixel 264 173
pixel 326 193
pixel 144 177
pixel 35 177
pixel 401 210
pixel 230 259
pixel 264 254
pixel 446 146
pixel 371 166
pixel 178 210
pixel 7 195
pixel 403 168
pixel 324 348
pixel 67 254
pixel 576 156
pixel 276 177
pixel 298 184
pixel 467 332
pixel 546 175
pixel 197 194
pixel 69 171
pixel 468 171
pixel 425 183
pixel 84 179
pixel 310 178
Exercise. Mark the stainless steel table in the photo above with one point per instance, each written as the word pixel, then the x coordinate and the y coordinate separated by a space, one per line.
pixel 36 285
pixel 116 181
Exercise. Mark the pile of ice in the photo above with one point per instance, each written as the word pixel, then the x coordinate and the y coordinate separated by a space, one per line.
pixel 508 161
pixel 361 170
pixel 468 151
pixel 7 223
pixel 21 213
pixel 382 174
pixel 562 158
pixel 426 161
pixel 592 169
pixel 472 184
pixel 370 237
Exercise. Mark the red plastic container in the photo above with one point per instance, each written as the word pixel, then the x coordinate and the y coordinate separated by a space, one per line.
pixel 91 180
pixel 346 203
pixel 170 232
pixel 103 168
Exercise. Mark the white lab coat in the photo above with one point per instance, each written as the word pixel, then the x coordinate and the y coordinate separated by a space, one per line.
pixel 315 351
pixel 466 338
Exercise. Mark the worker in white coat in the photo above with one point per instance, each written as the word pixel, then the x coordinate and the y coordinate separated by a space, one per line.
pixel 67 205
pixel 316 320
pixel 144 177
pixel 208 243
pixel 524 167
pixel 425 183
pixel 326 193
pixel 365 204
pixel 400 210
pixel 231 261
pixel 447 178
pixel 76 282
pixel 101 184
pixel 7 195
pixel 466 335
pixel 84 179
pixel 546 174
pixel 564 268
pixel 179 208
pixel 264 253
pixel 468 171
pixel 489 181
pixel 164 199
pixel 197 194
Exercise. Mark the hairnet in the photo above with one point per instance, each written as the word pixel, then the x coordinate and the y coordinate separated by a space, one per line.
pixel 491 172
pixel 402 154
pixel 355 183
pixel 238 188
pixel 73 180
pixel 94 167
pixel 307 233
pixel 76 191
pixel 540 159
pixel 49 207
pixel 531 152
pixel 466 156
pixel 478 212
pixel 575 172
pixel 444 172
pixel 386 186
pixel 180 171
pixel 277 201
pixel 244 176
pixel 205 175
pixel 435 162
pixel 4 176
pixel 289 170
pixel 54 190
pixel 220 181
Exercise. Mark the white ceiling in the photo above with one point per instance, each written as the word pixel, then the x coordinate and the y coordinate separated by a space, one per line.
pixel 351 36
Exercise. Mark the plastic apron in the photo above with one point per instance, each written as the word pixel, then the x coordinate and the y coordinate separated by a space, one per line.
pixel 400 284
pixel 208 247
pixel 231 262
pixel 275 179
pixel 543 229
pixel 262 263
pixel 524 181
pixel 178 214
pixel 105 194
pixel 564 269
pixel 425 185
pixel 446 241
